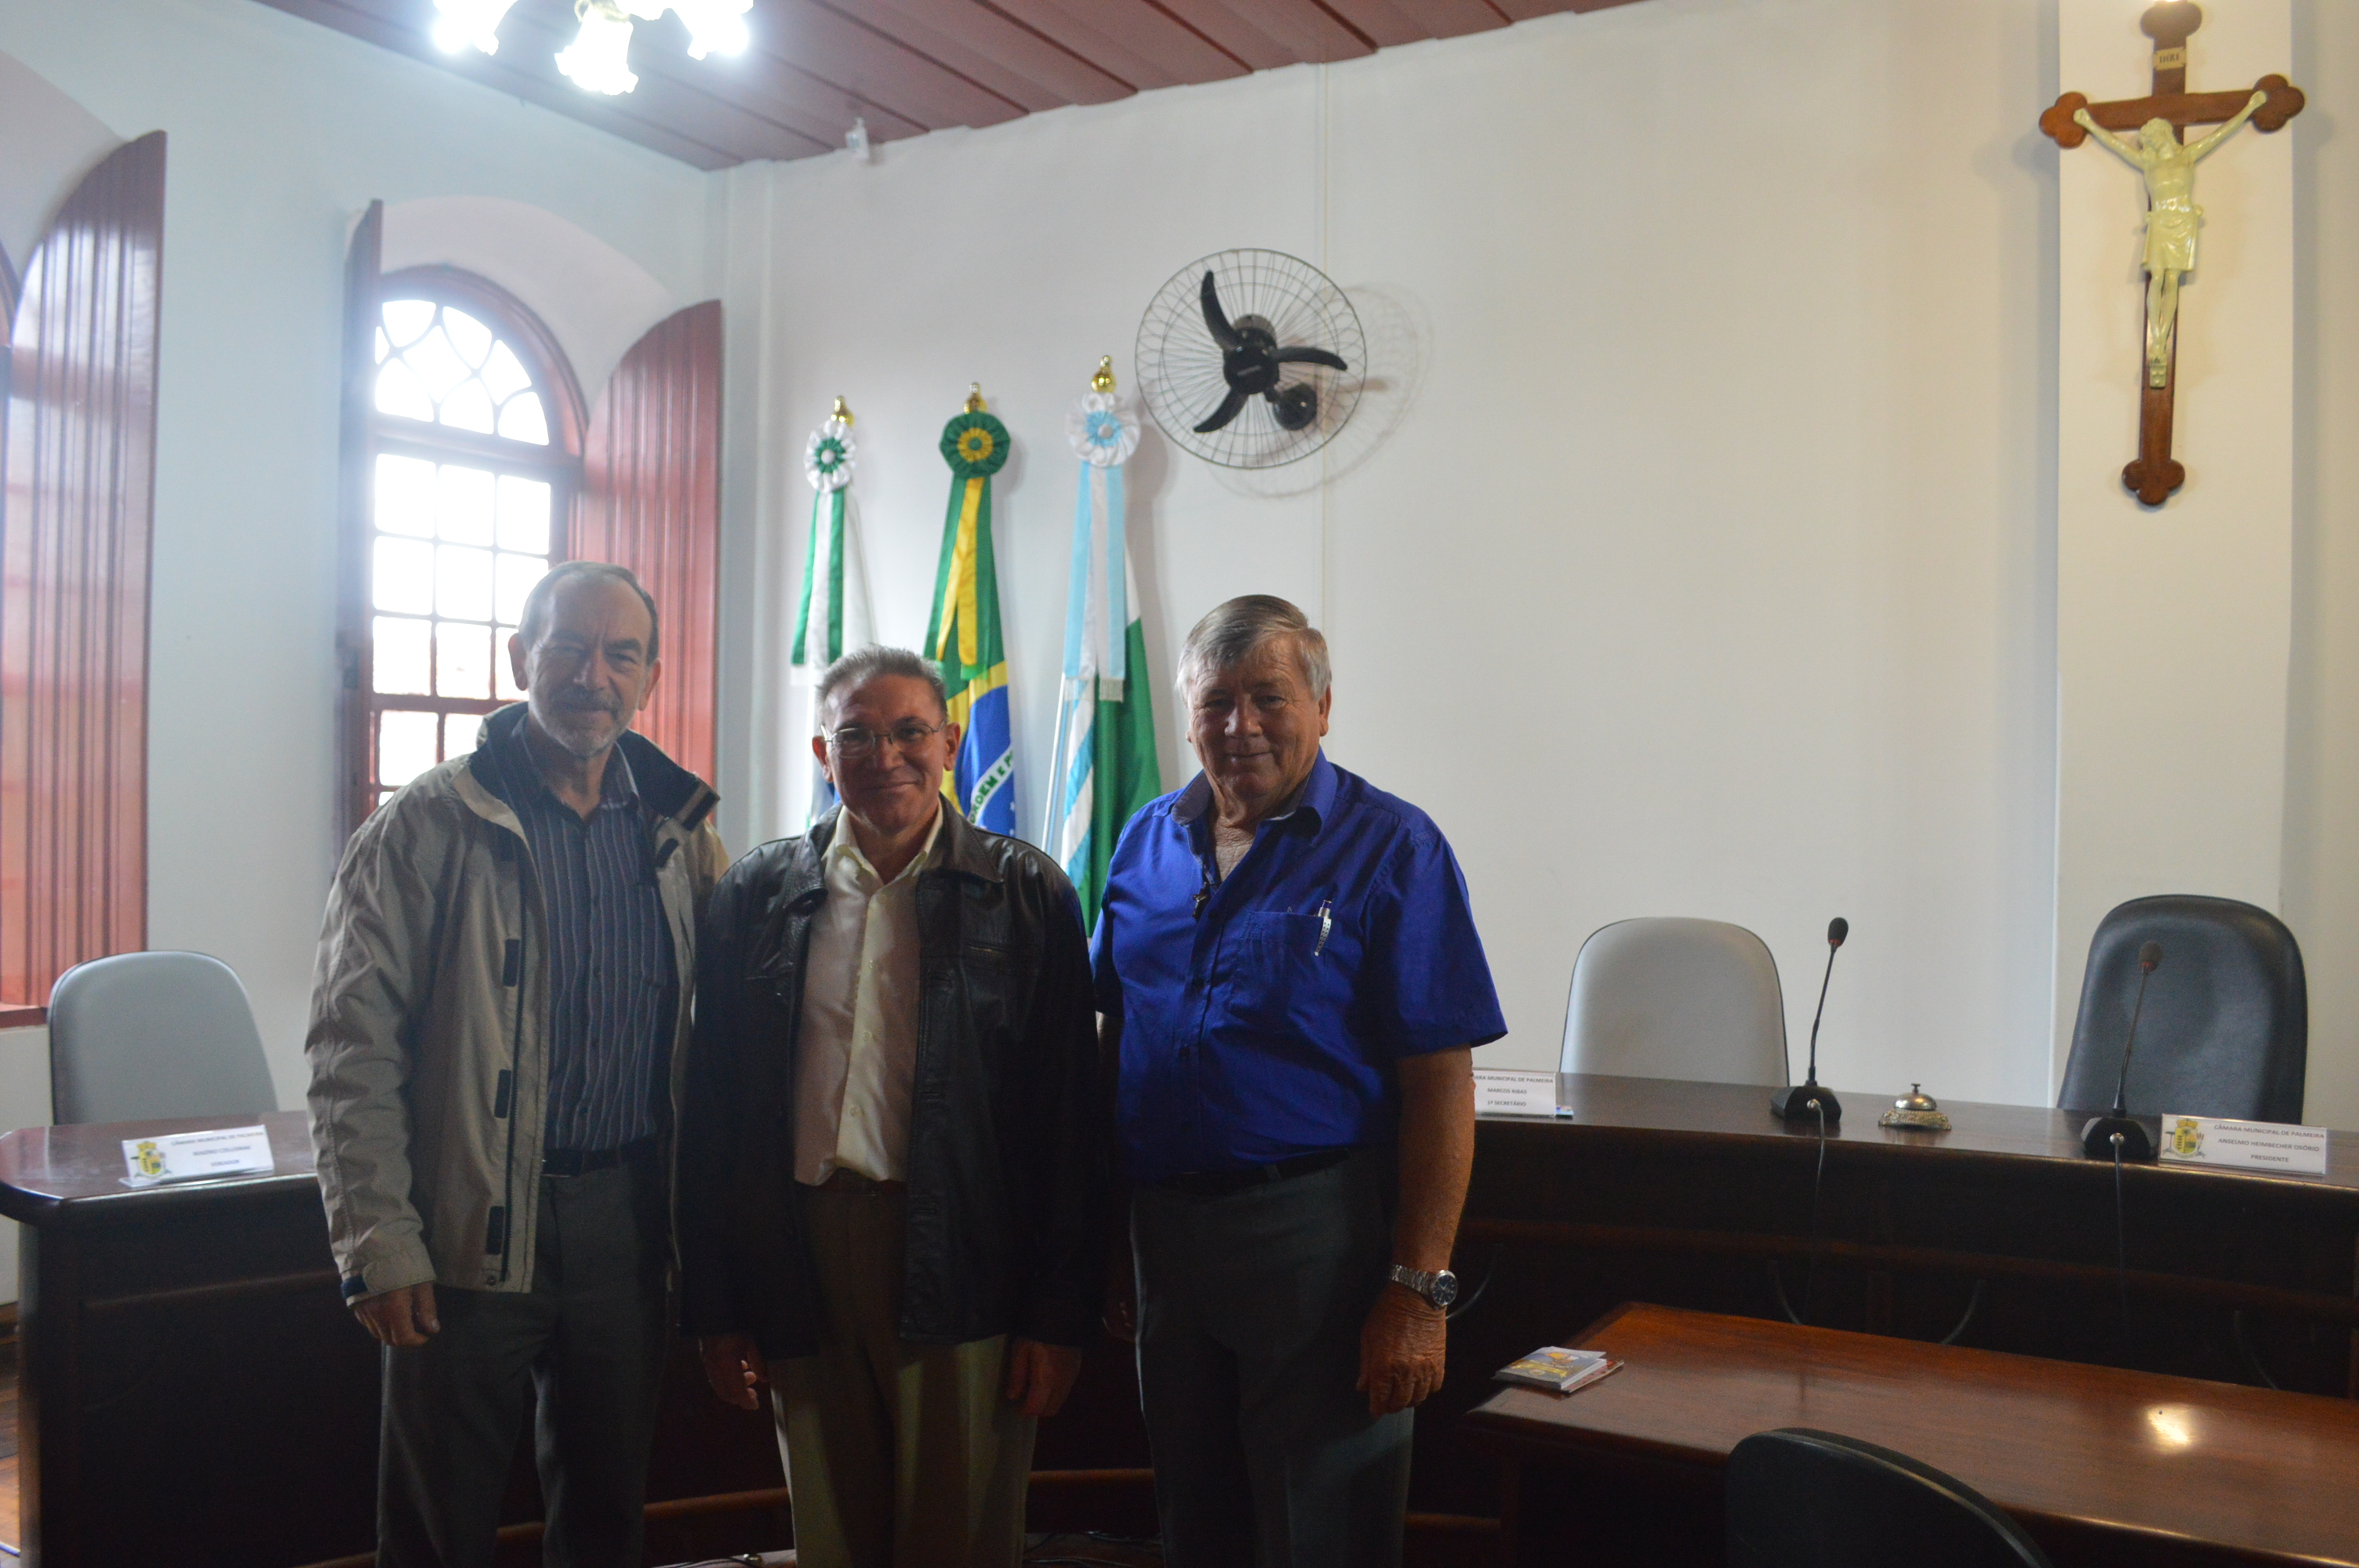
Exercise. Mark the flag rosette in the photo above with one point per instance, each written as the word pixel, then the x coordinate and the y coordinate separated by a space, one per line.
pixel 1103 429
pixel 975 445
pixel 827 457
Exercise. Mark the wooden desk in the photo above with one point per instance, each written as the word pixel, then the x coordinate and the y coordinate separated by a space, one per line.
pixel 196 1392
pixel 1689 1194
pixel 2099 1464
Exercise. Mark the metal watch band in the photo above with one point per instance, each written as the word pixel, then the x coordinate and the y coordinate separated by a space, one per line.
pixel 1426 1284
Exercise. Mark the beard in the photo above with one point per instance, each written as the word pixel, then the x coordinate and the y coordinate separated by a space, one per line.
pixel 585 729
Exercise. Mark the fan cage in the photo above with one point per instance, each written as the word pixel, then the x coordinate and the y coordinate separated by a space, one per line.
pixel 1179 364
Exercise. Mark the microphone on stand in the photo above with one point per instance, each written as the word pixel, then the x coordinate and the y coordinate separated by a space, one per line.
pixel 1805 1101
pixel 2134 1136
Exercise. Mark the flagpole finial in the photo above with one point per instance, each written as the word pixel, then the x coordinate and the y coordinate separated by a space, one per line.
pixel 974 397
pixel 843 411
pixel 1104 380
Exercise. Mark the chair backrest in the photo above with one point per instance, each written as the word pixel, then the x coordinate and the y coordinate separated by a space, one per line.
pixel 2226 1031
pixel 1799 1498
pixel 1676 998
pixel 144 1035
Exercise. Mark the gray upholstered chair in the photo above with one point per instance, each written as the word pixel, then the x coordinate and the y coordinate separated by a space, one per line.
pixel 2226 1031
pixel 1676 998
pixel 144 1035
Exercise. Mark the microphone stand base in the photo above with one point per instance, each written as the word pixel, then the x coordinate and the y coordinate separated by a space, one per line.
pixel 2141 1137
pixel 1794 1105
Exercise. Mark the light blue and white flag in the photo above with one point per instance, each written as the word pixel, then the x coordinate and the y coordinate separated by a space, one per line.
pixel 1105 756
pixel 833 620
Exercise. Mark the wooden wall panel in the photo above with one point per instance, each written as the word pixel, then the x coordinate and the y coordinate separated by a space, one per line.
pixel 355 666
pixel 74 536
pixel 650 500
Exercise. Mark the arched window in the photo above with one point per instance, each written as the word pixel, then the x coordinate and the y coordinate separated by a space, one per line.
pixel 475 456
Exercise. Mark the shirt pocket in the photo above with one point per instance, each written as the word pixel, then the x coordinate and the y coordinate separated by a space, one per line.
pixel 1270 965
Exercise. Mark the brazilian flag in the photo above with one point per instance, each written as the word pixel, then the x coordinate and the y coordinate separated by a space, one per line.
pixel 963 636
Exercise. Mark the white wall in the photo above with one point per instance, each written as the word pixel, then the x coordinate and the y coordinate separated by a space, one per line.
pixel 2321 853
pixel 1708 570
pixel 281 132
pixel 52 142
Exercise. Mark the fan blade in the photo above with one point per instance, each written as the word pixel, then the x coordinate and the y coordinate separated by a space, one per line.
pixel 1309 357
pixel 1216 320
pixel 1225 412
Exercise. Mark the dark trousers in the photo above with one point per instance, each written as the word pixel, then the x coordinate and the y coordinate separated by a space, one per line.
pixel 583 1348
pixel 1249 1313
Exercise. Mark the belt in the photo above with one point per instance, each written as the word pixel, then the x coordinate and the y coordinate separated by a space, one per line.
pixel 844 1179
pixel 581 1162
pixel 1221 1183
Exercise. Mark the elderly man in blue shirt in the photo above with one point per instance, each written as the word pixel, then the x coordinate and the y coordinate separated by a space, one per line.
pixel 1288 973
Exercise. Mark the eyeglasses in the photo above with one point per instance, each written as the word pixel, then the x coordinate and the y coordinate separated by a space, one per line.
pixel 853 740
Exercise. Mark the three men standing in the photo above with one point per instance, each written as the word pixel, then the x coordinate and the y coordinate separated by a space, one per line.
pixel 1288 971
pixel 893 1173
pixel 499 1023
pixel 892 1182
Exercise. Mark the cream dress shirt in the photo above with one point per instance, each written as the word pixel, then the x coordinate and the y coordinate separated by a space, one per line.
pixel 859 1035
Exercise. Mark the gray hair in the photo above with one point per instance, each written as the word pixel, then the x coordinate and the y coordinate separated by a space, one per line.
pixel 859 668
pixel 1234 632
pixel 544 593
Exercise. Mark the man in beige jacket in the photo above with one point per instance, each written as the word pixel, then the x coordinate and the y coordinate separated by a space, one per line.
pixel 499 1029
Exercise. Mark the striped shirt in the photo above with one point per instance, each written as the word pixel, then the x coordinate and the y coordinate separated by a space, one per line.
pixel 612 984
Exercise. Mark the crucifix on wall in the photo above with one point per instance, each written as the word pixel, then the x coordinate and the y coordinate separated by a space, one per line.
pixel 2161 153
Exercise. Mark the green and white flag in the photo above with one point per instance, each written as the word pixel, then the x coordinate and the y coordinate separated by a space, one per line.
pixel 1105 762
pixel 833 620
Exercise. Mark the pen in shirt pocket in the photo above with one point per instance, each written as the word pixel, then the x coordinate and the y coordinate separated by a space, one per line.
pixel 1326 925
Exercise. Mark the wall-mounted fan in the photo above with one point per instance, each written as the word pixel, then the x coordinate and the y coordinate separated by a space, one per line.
pixel 1251 359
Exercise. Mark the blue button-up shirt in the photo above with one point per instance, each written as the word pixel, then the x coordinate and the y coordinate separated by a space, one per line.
pixel 1263 1021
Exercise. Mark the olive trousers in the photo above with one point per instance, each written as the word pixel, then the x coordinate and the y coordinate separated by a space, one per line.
pixel 898 1455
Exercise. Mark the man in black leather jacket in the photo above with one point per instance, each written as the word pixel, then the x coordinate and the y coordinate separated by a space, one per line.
pixel 893 1168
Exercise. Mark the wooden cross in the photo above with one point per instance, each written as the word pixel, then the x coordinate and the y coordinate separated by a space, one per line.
pixel 2153 474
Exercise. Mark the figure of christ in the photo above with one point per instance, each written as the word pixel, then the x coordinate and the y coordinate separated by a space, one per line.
pixel 2171 217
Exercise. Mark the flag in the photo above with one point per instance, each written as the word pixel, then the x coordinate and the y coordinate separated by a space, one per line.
pixel 963 636
pixel 1106 760
pixel 833 619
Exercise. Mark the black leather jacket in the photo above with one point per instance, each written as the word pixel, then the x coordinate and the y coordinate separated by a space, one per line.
pixel 1009 1149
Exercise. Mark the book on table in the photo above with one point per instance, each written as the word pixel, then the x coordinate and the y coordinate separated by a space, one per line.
pixel 1559 1369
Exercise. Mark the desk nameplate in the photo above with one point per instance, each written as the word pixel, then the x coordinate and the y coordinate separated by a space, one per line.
pixel 2248 1145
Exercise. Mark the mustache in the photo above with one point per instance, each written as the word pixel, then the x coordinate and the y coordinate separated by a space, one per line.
pixel 585 702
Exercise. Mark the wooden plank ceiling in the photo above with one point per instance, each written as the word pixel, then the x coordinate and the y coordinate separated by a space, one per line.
pixel 907 67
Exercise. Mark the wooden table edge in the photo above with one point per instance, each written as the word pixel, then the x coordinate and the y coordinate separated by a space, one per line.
pixel 1515 1439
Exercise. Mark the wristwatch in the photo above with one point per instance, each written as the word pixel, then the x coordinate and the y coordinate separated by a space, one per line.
pixel 1439 1288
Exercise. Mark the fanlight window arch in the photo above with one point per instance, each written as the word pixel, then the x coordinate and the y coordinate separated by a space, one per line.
pixel 473 465
pixel 437 363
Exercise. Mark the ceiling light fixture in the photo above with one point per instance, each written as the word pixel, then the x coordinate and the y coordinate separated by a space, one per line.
pixel 599 59
pixel 714 26
pixel 464 22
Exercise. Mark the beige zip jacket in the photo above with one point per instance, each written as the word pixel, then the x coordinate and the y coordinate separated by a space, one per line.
pixel 430 1003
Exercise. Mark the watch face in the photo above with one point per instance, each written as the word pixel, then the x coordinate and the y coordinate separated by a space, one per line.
pixel 1444 1289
